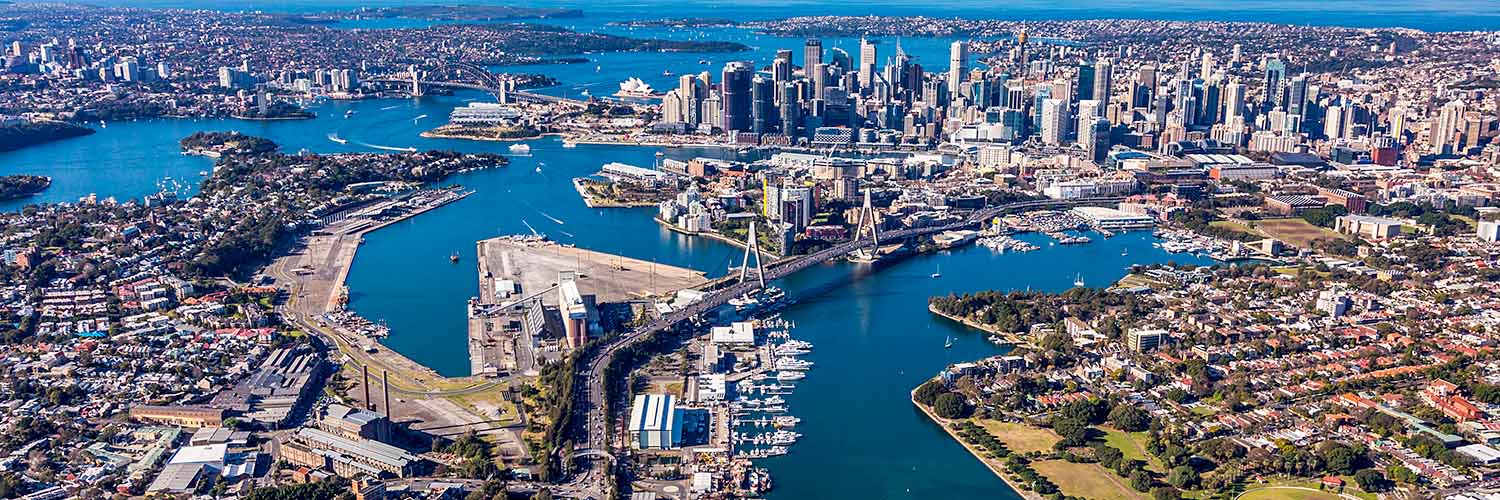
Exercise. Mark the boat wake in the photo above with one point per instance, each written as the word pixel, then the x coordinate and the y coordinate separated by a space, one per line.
pixel 419 117
pixel 528 226
pixel 570 235
pixel 388 108
pixel 334 136
pixel 387 148
pixel 554 219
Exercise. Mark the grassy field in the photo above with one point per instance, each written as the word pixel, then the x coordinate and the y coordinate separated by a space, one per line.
pixel 1295 232
pixel 1133 446
pixel 1085 480
pixel 1287 494
pixel 1234 226
pixel 1020 438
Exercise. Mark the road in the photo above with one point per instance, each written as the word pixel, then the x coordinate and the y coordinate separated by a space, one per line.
pixel 589 403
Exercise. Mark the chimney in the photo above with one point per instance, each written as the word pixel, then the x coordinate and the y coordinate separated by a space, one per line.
pixel 366 370
pixel 385 383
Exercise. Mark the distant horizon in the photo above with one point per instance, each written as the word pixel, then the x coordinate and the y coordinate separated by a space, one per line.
pixel 1436 15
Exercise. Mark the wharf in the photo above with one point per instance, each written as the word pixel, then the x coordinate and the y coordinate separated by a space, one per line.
pixel 531 266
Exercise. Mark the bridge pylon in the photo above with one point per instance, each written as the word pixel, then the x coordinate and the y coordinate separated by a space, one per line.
pixel 867 224
pixel 752 247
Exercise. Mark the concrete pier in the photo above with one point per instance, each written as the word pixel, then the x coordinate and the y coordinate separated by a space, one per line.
pixel 499 339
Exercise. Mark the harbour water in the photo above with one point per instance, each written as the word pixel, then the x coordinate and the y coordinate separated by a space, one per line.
pixel 875 338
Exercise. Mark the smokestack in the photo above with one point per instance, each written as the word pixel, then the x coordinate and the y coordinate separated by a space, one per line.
pixel 366 370
pixel 385 383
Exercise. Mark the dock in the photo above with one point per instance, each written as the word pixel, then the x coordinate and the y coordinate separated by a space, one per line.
pixel 517 273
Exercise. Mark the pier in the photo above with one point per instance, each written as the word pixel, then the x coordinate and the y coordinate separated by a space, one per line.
pixel 517 273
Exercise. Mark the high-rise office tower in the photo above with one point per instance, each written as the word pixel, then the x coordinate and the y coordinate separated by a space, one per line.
pixel 762 104
pixel 1104 77
pixel 735 93
pixel 1333 122
pixel 781 70
pixel 1054 121
pixel 1085 82
pixel 1234 100
pixel 958 56
pixel 1446 127
pixel 1275 75
pixel 820 81
pixel 1296 96
pixel 1206 66
pixel 690 96
pixel 1143 89
pixel 1088 111
pixel 866 64
pixel 791 111
pixel 837 57
pixel 812 53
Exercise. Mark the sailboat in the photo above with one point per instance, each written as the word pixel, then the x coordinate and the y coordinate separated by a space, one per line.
pixel 948 342
pixel 939 272
pixel 1078 281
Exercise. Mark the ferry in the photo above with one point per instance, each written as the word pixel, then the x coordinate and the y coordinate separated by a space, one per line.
pixel 332 136
pixel 1078 281
pixel 521 149
pixel 453 258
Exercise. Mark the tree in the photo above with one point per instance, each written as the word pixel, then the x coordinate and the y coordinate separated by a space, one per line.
pixel 1401 474
pixel 1127 417
pixel 951 405
pixel 927 393
pixel 1339 458
pixel 1074 432
pixel 1370 480
pixel 1165 493
pixel 1140 480
pixel 1183 476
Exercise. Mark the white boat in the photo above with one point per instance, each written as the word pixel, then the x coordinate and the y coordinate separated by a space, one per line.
pixel 789 375
pixel 570 144
pixel 939 272
pixel 332 136
pixel 948 343
pixel 520 149
pixel 1078 281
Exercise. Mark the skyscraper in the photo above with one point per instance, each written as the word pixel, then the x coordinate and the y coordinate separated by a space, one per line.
pixel 1104 70
pixel 958 55
pixel 762 104
pixel 1296 96
pixel 1085 83
pixel 820 81
pixel 1088 111
pixel 735 91
pixel 1054 121
pixel 812 53
pixel 1234 100
pixel 1275 74
pixel 1446 127
pixel 867 58
pixel 688 94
